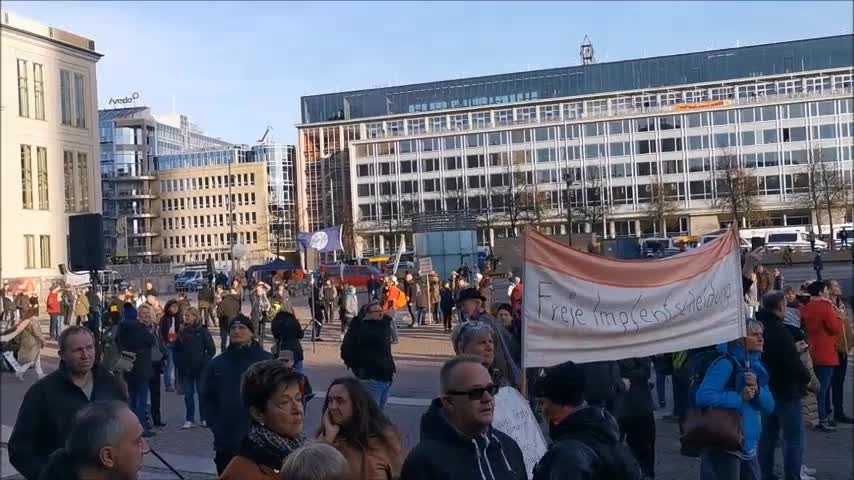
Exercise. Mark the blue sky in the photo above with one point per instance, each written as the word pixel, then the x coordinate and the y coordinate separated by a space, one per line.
pixel 237 67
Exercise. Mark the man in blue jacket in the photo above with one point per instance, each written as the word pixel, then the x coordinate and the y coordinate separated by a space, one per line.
pixel 227 417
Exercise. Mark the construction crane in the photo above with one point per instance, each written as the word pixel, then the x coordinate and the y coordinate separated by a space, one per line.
pixel 266 132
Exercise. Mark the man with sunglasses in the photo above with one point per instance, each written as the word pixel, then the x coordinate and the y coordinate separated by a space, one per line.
pixel 586 439
pixel 457 438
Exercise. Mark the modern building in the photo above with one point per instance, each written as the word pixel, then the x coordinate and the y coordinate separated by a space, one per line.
pixel 196 201
pixel 49 138
pixel 598 139
pixel 131 138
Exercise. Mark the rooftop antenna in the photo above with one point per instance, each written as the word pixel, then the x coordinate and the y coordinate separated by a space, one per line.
pixel 586 51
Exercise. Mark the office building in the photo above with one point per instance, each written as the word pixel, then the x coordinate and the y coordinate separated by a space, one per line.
pixel 131 138
pixel 49 138
pixel 196 199
pixel 524 147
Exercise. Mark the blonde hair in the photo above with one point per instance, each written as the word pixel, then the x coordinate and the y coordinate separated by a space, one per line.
pixel 194 312
pixel 317 461
pixel 146 308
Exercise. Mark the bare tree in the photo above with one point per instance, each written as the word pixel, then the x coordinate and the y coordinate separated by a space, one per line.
pixel 596 207
pixel 737 191
pixel 662 204
pixel 827 189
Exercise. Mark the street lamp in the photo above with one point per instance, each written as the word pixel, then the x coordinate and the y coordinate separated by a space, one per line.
pixel 570 181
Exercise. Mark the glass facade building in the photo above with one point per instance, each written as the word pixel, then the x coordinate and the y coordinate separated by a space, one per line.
pixel 611 139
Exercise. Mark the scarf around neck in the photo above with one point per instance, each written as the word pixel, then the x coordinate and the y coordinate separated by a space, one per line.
pixel 265 447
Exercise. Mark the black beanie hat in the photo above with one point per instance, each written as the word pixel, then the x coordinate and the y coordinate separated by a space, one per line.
pixel 243 319
pixel 563 384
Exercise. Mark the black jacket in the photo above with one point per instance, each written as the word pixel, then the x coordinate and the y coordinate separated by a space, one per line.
pixel 47 410
pixel 288 332
pixel 366 349
pixel 637 401
pixel 193 350
pixel 603 383
pixel 443 453
pixel 226 415
pixel 788 377
pixel 133 336
pixel 586 445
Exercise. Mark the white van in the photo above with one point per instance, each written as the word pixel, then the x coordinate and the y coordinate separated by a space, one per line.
pixel 798 241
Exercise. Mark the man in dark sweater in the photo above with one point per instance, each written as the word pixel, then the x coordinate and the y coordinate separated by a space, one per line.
pixel 51 403
pixel 788 382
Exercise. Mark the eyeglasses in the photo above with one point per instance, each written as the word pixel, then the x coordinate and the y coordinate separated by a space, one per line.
pixel 476 393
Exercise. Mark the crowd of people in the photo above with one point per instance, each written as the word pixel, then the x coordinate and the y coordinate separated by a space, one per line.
pixel 599 416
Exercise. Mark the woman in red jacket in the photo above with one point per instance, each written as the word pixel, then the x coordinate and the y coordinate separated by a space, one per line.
pixel 822 325
pixel 54 310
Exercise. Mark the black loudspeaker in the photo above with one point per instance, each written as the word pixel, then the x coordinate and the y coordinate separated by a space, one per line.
pixel 757 242
pixel 86 242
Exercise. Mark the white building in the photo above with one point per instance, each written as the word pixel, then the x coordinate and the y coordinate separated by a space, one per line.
pixel 49 138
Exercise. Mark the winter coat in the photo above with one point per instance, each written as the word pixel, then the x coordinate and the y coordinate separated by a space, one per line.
pixel 243 468
pixel 227 416
pixel 47 410
pixel 228 308
pixel 288 332
pixel 329 293
pixel 411 290
pixel 603 383
pixel 52 304
pixel 81 308
pixel 447 303
pixel 366 349
pixel 351 304
pixel 32 342
pixel 260 306
pixel 194 350
pixel 788 376
pixel 169 323
pixel 822 325
pixel 845 338
pixel 506 348
pixel 809 408
pixel 382 460
pixel 133 336
pixel 435 292
pixel 421 299
pixel 637 401
pixel 586 445
pixel 206 297
pixel 443 453
pixel 713 392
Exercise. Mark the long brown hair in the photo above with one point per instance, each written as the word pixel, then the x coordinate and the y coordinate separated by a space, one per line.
pixel 367 421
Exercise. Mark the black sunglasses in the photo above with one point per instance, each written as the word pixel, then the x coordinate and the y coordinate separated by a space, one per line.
pixel 476 393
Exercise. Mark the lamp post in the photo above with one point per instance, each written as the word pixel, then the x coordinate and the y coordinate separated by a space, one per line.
pixel 570 181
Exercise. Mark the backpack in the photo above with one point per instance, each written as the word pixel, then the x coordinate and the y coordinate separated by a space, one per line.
pixel 615 461
pixel 695 368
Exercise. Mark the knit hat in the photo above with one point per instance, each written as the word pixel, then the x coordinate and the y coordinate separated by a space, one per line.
pixel 244 320
pixel 471 294
pixel 129 312
pixel 562 384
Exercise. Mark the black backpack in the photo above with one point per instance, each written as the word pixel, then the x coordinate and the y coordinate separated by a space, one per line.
pixel 696 368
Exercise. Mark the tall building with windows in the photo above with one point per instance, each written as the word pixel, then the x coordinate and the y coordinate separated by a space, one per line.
pixel 49 139
pixel 608 141
pixel 131 138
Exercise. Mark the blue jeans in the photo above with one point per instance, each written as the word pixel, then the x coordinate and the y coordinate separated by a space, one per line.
pixel 169 371
pixel 422 315
pixel 190 386
pixel 137 397
pixel 378 390
pixel 786 417
pixel 719 465
pixel 54 325
pixel 824 374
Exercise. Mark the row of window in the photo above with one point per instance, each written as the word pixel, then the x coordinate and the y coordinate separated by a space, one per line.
pixel 72 94
pixel 209 221
pixel 578 110
pixel 207 201
pixel 205 183
pixel 37 258
pixel 209 240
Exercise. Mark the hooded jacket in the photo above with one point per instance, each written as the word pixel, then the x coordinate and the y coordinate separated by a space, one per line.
pixel 789 376
pixel 443 452
pixel 586 445
pixel 366 349
pixel 288 332
pixel 193 350
pixel 135 337
pixel 713 392
pixel 822 325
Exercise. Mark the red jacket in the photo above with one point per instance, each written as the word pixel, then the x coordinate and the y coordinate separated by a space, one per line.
pixel 516 299
pixel 822 326
pixel 52 304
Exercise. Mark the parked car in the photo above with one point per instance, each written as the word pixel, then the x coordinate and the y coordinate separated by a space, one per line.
pixel 798 241
pixel 190 280
pixel 658 247
pixel 356 275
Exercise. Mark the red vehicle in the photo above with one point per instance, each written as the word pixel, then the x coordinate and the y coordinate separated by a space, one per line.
pixel 356 275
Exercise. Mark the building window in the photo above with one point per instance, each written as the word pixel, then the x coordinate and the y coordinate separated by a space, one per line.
pixel 68 175
pixel 73 101
pixel 65 96
pixel 23 94
pixel 27 176
pixel 30 245
pixel 44 243
pixel 41 176
pixel 38 90
pixel 83 177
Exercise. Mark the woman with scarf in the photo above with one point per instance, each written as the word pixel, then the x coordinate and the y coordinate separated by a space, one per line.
pixel 273 395
pixel 356 427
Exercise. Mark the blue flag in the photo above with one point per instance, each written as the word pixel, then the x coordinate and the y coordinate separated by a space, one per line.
pixel 326 240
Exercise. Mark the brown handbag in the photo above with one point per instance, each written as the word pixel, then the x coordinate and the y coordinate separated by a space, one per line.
pixel 718 428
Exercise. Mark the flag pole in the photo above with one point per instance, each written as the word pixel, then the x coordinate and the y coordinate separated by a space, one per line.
pixel 524 380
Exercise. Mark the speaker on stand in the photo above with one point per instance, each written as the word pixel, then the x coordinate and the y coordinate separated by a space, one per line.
pixel 86 254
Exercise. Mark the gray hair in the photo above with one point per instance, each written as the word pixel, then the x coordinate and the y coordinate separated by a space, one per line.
pixel 94 428
pixel 317 461
pixel 771 300
pixel 755 326
pixel 467 332
pixel 450 365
